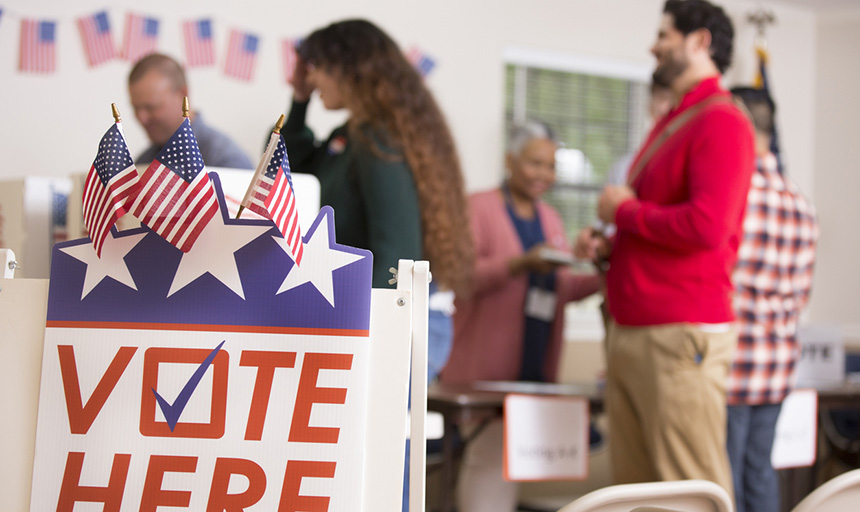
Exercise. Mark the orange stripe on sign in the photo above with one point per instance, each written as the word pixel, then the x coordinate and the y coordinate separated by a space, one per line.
pixel 264 329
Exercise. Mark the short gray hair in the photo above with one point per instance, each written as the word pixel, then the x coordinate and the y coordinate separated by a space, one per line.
pixel 523 132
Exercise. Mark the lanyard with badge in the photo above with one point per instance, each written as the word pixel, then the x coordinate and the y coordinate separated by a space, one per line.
pixel 541 297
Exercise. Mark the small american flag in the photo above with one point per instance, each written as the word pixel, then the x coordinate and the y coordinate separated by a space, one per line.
pixel 422 62
pixel 38 48
pixel 271 195
pixel 141 37
pixel 176 198
pixel 98 41
pixel 110 185
pixel 241 55
pixel 288 48
pixel 199 50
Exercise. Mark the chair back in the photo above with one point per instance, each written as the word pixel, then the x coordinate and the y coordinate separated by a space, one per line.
pixel 681 495
pixel 836 495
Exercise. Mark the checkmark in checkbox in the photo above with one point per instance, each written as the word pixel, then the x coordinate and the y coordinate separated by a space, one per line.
pixel 174 410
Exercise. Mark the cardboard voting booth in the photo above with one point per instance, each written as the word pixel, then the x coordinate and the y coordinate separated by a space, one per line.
pixel 32 219
pixel 227 377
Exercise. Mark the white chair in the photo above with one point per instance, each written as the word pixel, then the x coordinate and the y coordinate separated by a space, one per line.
pixel 681 495
pixel 837 494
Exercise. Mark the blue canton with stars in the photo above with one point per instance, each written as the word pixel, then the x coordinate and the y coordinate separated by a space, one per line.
pixel 113 156
pixel 279 159
pixel 181 154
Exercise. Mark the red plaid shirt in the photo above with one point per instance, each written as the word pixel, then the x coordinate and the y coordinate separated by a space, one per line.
pixel 772 280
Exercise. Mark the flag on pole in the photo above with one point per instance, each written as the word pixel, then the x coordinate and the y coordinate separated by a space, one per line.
pixel 38 46
pixel 110 186
pixel 241 55
pixel 98 41
pixel 288 49
pixel 176 198
pixel 762 82
pixel 199 50
pixel 422 62
pixel 271 195
pixel 141 37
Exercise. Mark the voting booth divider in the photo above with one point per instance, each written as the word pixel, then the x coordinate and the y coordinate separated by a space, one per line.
pixel 224 378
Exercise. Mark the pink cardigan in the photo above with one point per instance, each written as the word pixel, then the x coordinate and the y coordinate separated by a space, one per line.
pixel 488 327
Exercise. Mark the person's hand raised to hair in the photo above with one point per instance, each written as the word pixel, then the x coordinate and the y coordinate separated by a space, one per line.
pixel 302 88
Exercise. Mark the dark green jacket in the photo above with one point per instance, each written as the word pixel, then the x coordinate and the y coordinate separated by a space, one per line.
pixel 373 197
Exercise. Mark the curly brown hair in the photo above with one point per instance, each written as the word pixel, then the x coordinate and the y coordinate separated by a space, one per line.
pixel 387 95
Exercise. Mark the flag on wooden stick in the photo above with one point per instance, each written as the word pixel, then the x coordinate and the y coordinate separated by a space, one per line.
pixel 271 193
pixel 176 198
pixel 110 186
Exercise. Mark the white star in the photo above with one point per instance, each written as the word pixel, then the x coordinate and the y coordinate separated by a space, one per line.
pixel 213 252
pixel 111 264
pixel 318 262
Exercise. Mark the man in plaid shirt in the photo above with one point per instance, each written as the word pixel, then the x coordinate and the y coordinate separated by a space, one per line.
pixel 773 278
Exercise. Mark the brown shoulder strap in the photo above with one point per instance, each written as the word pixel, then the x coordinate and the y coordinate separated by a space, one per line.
pixel 672 128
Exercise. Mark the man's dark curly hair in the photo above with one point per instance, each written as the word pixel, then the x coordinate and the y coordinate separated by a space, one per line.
pixel 690 15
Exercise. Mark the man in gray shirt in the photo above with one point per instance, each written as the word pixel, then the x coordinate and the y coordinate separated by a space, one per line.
pixel 157 86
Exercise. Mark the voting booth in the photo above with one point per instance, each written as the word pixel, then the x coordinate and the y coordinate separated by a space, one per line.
pixel 227 377
pixel 32 218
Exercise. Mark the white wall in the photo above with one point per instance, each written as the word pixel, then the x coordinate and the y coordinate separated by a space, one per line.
pixel 466 38
pixel 836 295
pixel 50 125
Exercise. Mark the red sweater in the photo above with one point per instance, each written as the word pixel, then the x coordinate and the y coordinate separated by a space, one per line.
pixel 677 241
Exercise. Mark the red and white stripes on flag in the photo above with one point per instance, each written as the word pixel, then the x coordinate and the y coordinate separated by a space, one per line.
pixel 97 38
pixel 38 46
pixel 141 37
pixel 176 198
pixel 271 195
pixel 199 50
pixel 241 55
pixel 288 50
pixel 110 186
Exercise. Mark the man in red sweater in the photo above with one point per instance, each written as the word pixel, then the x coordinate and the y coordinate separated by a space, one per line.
pixel 679 218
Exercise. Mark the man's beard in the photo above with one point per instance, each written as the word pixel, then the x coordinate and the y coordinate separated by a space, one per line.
pixel 667 73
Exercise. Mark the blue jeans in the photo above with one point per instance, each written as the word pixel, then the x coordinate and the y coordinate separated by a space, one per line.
pixel 440 336
pixel 749 440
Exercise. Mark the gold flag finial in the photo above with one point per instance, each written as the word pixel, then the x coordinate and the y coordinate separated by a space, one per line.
pixel 185 107
pixel 115 112
pixel 279 124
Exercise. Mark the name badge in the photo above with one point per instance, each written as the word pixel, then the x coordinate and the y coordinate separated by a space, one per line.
pixel 540 304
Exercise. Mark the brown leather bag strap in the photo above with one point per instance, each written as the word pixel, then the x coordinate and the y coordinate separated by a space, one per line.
pixel 672 128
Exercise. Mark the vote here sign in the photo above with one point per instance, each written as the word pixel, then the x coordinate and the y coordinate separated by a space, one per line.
pixel 225 378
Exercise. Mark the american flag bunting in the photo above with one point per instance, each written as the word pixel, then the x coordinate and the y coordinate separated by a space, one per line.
pixel 97 38
pixel 241 55
pixel 110 186
pixel 271 195
pixel 176 198
pixel 422 62
pixel 141 37
pixel 199 49
pixel 38 46
pixel 288 51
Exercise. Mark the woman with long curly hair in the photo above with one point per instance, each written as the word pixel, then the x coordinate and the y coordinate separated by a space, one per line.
pixel 391 173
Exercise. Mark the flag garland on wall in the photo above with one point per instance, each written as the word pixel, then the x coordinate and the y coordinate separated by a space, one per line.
pixel 97 38
pixel 38 45
pixel 241 55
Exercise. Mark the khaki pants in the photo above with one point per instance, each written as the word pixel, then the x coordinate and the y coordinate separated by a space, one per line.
pixel 666 405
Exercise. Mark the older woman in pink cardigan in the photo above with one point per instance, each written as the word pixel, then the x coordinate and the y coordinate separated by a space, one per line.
pixel 512 286
pixel 510 327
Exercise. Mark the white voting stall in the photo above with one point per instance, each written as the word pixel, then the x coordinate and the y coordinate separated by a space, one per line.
pixel 226 377
pixel 32 218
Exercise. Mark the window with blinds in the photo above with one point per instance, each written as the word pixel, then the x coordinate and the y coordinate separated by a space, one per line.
pixel 598 119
